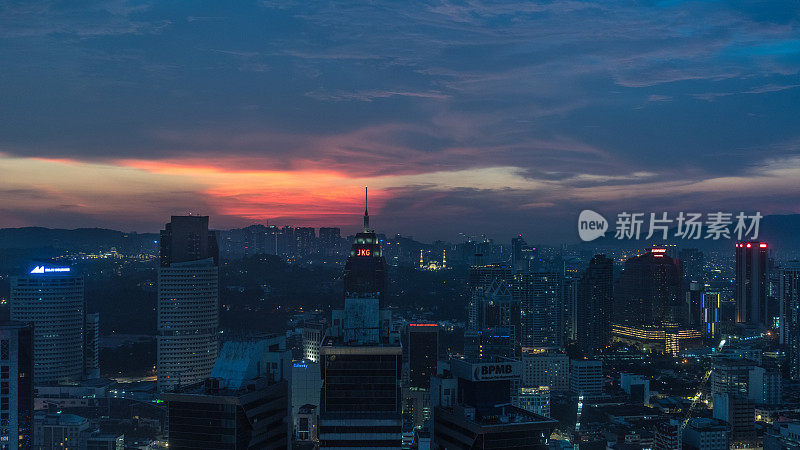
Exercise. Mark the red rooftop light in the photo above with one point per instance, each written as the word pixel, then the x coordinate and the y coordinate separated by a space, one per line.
pixel 763 245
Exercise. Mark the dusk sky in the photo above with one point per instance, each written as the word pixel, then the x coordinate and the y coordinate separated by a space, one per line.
pixel 474 117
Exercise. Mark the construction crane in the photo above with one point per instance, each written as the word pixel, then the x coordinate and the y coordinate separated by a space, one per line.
pixel 699 393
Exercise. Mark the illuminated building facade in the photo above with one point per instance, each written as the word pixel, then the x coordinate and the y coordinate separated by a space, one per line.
pixel 51 298
pixel 361 358
pixel 669 340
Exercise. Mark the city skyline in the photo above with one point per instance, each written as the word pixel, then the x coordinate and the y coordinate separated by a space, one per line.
pixel 475 118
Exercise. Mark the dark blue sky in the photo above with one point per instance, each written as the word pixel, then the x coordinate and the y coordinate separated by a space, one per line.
pixel 496 117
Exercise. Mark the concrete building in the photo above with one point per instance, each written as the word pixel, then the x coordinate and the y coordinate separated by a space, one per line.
pixel 16 385
pixel 637 386
pixel 60 431
pixel 188 302
pixel 586 378
pixel 244 403
pixel 546 368
pixel 705 434
pixel 472 409
pixel 51 298
pixel 739 412
pixel 782 436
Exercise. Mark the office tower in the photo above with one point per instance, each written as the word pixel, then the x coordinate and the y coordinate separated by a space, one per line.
pixel 751 285
pixel 705 434
pixel 765 386
pixel 92 345
pixel 187 238
pixel 594 302
pixel 365 269
pixel 481 280
pixel 731 376
pixel 16 385
pixel 472 408
pixel 498 323
pixel 694 305
pixel 739 412
pixel 51 298
pixel 306 383
pixel 692 264
pixel 789 300
pixel 312 338
pixel 648 291
pixel 243 404
pixel 541 297
pixel 306 240
pixel 329 240
pixel 188 298
pixel 423 354
pixel 542 368
pixel 521 254
pixel 586 378
pixel 711 304
pixel 361 358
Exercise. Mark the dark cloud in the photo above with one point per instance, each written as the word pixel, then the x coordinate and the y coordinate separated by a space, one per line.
pixel 574 94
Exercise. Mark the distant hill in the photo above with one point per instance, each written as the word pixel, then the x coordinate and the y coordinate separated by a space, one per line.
pixel 81 239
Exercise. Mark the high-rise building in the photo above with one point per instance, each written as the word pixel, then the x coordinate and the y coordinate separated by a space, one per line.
pixel 541 298
pixel 782 436
pixel 739 413
pixel 423 354
pixel 765 386
pixel 306 238
pixel 692 265
pixel 648 291
pixel 543 368
pixel 330 240
pixel 361 358
pixel 789 300
pixel 243 404
pixel 188 299
pixel 752 309
pixel 365 269
pixel 51 298
pixel 92 345
pixel 712 304
pixel 472 408
pixel 586 378
pixel 187 238
pixel 595 299
pixel 16 385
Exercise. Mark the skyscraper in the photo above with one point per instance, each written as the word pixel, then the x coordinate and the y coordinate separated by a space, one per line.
pixel 751 285
pixel 329 240
pixel 789 297
pixel 594 303
pixel 51 298
pixel 16 385
pixel 692 265
pixel 306 240
pixel 541 302
pixel 648 291
pixel 361 358
pixel 188 297
pixel 423 353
